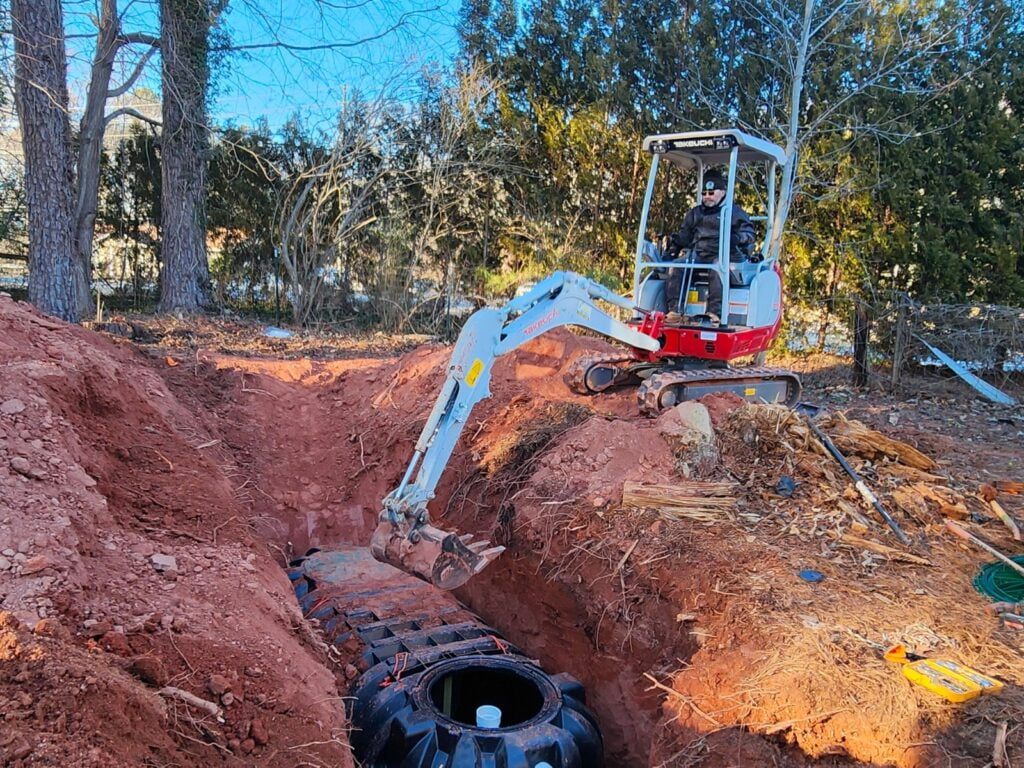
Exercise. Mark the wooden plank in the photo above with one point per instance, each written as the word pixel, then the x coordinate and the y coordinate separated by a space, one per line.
pixel 674 495
pixel 950 503
pixel 891 552
pixel 854 437
pixel 980 542
pixel 1008 521
pixel 911 474
pixel 696 500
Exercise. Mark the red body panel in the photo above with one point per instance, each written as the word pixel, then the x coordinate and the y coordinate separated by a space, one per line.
pixel 709 343
pixel 706 343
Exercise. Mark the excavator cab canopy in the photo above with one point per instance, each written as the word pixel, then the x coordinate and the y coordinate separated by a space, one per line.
pixel 698 149
pixel 694 153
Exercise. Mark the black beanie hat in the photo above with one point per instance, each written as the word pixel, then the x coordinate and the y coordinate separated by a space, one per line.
pixel 713 180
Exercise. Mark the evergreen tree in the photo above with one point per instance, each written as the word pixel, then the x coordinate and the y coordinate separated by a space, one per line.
pixel 244 184
pixel 905 161
pixel 129 207
pixel 948 214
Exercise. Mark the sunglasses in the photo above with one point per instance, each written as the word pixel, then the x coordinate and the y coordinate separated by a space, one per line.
pixel 708 193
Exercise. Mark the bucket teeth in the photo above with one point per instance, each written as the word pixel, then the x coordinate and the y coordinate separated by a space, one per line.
pixel 445 559
pixel 486 557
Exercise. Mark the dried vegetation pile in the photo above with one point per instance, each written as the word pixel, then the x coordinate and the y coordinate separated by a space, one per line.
pixel 805 659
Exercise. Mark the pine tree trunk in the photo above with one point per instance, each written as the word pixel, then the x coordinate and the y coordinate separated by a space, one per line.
pixel 41 96
pixel 184 41
pixel 90 142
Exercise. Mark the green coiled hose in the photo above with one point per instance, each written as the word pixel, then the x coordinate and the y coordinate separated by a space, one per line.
pixel 1000 582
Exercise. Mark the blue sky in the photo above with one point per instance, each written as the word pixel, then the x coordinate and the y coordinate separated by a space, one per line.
pixel 275 82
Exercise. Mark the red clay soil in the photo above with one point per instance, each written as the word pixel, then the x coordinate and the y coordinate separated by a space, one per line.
pixel 104 475
pixel 232 463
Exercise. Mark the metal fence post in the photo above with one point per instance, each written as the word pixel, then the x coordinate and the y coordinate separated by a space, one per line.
pixel 861 332
pixel 899 343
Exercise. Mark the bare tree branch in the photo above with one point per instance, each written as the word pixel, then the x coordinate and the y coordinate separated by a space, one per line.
pixel 131 112
pixel 327 46
pixel 140 38
pixel 136 72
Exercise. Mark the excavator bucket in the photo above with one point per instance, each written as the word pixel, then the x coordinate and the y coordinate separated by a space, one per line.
pixel 443 558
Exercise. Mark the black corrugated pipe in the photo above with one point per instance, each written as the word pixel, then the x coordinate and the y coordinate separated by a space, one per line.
pixel 436 686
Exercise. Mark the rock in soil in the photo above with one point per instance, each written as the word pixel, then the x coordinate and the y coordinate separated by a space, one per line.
pixel 150 670
pixel 218 685
pixel 259 732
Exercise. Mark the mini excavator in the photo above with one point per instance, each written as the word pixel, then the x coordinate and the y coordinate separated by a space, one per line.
pixel 670 362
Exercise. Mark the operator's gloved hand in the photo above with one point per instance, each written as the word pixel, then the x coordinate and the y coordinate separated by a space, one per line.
pixel 674 248
pixel 741 238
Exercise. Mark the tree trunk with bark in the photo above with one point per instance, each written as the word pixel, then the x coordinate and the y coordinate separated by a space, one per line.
pixel 40 89
pixel 90 143
pixel 90 140
pixel 184 41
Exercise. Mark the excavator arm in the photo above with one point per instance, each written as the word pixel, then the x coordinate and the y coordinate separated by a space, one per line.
pixel 404 536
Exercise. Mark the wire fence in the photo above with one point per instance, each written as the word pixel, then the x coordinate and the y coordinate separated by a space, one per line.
pixel 886 337
pixel 986 339
pixel 13 272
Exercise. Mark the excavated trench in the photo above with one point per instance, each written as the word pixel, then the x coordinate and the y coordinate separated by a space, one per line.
pixel 324 461
pixel 540 621
pixel 432 683
pixel 504 636
pixel 549 627
pixel 322 444
pixel 511 617
pixel 546 618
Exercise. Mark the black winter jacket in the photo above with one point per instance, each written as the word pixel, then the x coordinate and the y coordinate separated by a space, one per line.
pixel 700 232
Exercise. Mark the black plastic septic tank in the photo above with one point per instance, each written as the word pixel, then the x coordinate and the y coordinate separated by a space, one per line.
pixel 429 719
pixel 438 688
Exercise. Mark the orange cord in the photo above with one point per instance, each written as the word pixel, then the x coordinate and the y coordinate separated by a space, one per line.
pixel 316 606
pixel 401 664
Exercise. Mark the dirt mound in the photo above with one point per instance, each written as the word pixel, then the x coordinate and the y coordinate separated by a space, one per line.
pixel 124 544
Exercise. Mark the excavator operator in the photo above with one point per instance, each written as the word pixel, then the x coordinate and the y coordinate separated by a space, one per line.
pixel 700 233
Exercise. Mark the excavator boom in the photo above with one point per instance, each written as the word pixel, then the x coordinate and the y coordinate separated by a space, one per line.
pixel 404 536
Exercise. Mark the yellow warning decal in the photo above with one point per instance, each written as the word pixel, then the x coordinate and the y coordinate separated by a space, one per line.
pixel 474 372
pixel 750 391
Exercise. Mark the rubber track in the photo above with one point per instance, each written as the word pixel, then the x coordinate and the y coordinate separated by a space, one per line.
pixel 576 375
pixel 650 392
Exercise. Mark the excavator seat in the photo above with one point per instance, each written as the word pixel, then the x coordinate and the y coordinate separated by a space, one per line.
pixel 742 273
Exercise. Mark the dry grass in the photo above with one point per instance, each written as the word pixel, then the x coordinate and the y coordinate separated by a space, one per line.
pixel 237 336
pixel 510 457
pixel 828 658
pixel 819 681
